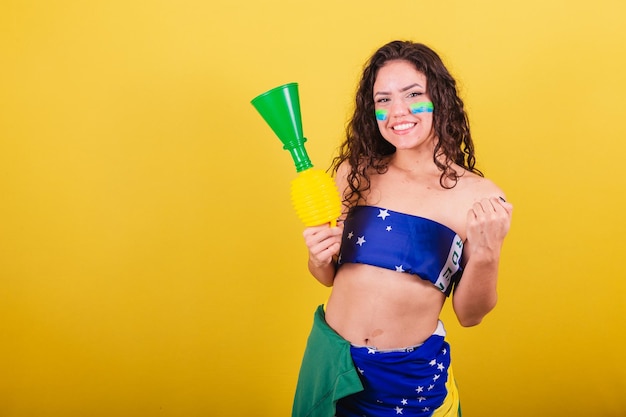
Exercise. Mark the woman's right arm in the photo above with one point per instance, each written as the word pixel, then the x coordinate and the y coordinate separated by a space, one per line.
pixel 324 241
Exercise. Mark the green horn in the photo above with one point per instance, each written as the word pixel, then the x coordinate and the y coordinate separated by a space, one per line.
pixel 280 108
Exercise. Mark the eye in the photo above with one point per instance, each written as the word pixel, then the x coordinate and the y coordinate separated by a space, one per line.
pixel 382 100
pixel 414 94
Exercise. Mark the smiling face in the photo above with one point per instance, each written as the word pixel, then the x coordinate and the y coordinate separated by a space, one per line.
pixel 402 105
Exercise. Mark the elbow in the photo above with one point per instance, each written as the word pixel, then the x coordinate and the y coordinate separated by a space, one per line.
pixel 475 317
pixel 329 283
pixel 470 321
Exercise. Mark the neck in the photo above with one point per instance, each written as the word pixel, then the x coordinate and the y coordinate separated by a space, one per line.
pixel 414 160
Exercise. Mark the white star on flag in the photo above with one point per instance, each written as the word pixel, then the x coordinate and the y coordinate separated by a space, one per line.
pixel 350 235
pixel 398 410
pixel 420 399
pixel 404 401
pixel 360 241
pixel 436 377
pixel 440 366
pixel 399 268
pixel 433 362
pixel 419 389
pixel 388 228
pixel 383 213
pixel 371 351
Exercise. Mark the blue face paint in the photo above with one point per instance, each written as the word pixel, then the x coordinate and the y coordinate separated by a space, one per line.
pixel 382 114
pixel 421 107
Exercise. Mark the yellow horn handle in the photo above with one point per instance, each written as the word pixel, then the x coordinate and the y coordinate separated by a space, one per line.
pixel 315 198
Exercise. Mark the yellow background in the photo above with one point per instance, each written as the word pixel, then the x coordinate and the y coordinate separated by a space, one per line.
pixel 151 263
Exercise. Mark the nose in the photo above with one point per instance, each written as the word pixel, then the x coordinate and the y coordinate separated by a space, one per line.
pixel 398 108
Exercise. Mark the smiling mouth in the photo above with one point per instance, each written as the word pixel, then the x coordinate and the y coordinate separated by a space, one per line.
pixel 403 126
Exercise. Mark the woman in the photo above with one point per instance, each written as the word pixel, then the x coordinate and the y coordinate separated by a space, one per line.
pixel 420 223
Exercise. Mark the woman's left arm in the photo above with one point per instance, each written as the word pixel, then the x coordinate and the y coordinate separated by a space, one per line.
pixel 488 222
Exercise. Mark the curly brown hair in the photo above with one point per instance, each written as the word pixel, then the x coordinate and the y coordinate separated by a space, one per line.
pixel 365 148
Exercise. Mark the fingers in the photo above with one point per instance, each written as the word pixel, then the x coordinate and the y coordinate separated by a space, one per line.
pixel 489 217
pixel 318 233
pixel 325 254
pixel 323 242
pixel 487 206
pixel 507 206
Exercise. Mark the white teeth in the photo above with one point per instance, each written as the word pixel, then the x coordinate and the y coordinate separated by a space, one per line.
pixel 404 126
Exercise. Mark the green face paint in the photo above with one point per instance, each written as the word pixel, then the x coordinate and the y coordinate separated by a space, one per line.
pixel 381 114
pixel 422 107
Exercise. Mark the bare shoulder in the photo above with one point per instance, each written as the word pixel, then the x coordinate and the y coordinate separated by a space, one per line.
pixel 342 173
pixel 478 187
pixel 343 169
pixel 341 176
pixel 341 181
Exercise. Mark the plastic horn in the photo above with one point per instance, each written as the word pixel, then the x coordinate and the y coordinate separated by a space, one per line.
pixel 314 194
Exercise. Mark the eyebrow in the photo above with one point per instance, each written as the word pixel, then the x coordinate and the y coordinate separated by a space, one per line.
pixel 402 90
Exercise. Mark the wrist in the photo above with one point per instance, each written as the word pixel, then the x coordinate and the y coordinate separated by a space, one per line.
pixel 485 256
pixel 318 264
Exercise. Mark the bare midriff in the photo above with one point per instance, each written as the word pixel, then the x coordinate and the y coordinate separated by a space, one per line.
pixel 372 306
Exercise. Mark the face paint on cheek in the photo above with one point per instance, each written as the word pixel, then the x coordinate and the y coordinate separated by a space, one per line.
pixel 422 107
pixel 382 114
